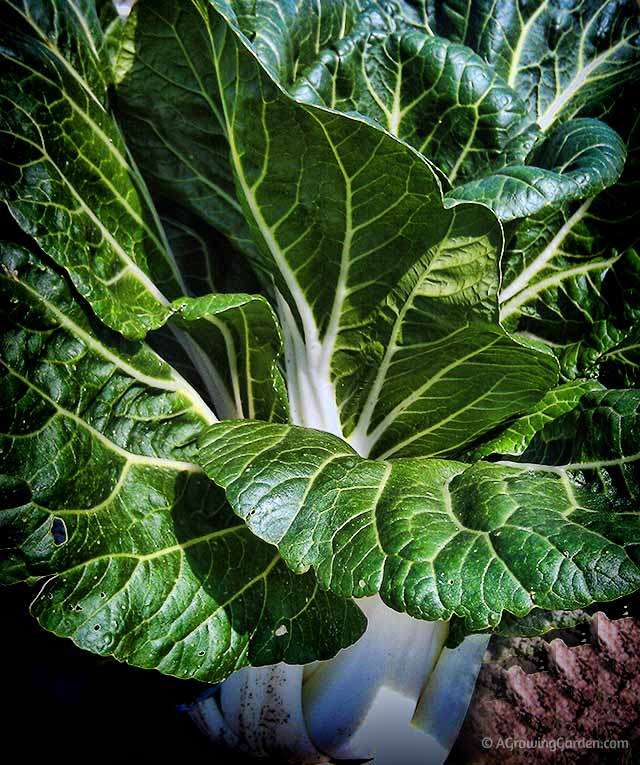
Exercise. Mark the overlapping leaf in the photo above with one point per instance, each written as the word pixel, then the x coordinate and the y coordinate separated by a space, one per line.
pixel 453 105
pixel 288 37
pixel 388 298
pixel 382 62
pixel 515 438
pixel 143 558
pixel 561 57
pixel 438 96
pixel 383 254
pixel 242 340
pixel 434 537
pixel 600 439
pixel 73 188
pixel 576 161
pixel 571 276
pixel 66 174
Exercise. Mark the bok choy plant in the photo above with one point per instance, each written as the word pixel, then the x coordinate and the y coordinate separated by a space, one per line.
pixel 319 345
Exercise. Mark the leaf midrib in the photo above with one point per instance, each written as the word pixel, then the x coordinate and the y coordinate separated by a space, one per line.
pixel 158 462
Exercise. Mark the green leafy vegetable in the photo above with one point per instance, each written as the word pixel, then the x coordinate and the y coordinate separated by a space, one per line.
pixel 577 160
pixel 144 558
pixel 571 275
pixel 66 173
pixel 560 57
pixel 434 537
pixel 311 301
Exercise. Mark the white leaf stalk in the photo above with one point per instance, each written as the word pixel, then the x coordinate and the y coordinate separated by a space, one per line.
pixel 398 696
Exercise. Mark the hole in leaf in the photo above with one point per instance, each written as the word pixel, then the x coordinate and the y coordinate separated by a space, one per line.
pixel 96 627
pixel 58 531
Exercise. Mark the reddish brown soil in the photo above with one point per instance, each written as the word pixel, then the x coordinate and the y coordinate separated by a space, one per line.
pixel 551 695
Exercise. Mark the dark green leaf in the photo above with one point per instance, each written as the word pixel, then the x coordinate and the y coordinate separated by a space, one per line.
pixel 621 364
pixel 438 96
pixel 577 160
pixel 171 114
pixel 66 175
pixel 194 256
pixel 572 276
pixel 560 56
pixel 434 537
pixel 384 255
pixel 143 558
pixel 600 440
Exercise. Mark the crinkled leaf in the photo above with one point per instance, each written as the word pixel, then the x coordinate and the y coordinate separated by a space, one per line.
pixel 365 274
pixel 560 56
pixel 434 537
pixel 143 558
pixel 455 108
pixel 66 175
pixel 600 441
pixel 577 160
pixel 382 61
pixel 362 274
pixel 572 276
pixel 375 61
pixel 289 37
pixel 172 117
pixel 438 96
pixel 514 439
pixel 241 338
pixel 446 101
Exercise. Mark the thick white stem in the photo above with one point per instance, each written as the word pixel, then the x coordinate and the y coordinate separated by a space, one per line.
pixel 445 698
pixel 311 392
pixel 368 693
pixel 396 696
pixel 263 707
pixel 207 715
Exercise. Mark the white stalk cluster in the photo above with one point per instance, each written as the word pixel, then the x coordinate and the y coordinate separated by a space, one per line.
pixel 397 696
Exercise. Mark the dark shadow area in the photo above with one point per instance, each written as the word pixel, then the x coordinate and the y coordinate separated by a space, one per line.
pixel 64 705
